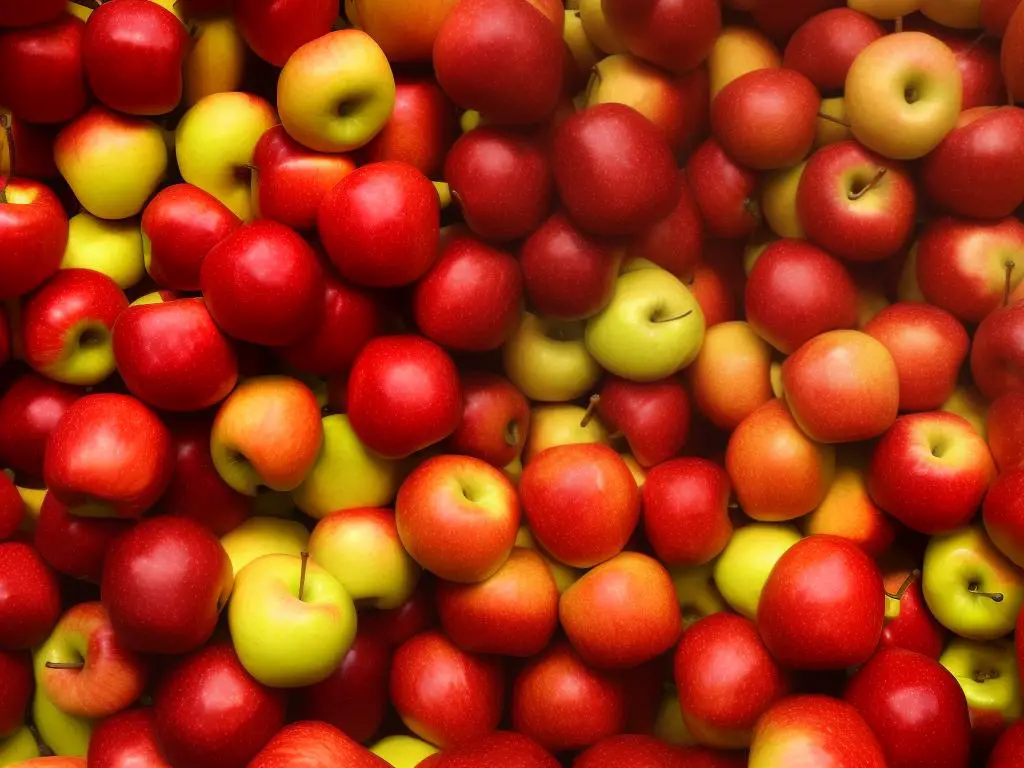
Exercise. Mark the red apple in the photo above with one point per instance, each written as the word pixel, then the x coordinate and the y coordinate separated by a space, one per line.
pixel 977 58
pixel 581 502
pixel 180 226
pixel 126 740
pixel 74 545
pixel 314 744
pixel 1003 514
pixel 997 355
pixel 725 192
pixel 824 47
pixel 16 686
pixel 381 225
pixel 504 748
pixel 396 625
pixel 12 508
pixel 17 14
pixel 164 583
pixel 914 628
pixel 44 79
pixel 1005 430
pixel 654 417
pixel 995 15
pixel 275 30
pixel 639 751
pixel 29 597
pixel 33 234
pixel 614 170
pixel 718 282
pixel 1009 748
pixel 675 242
pixel 29 411
pixel 421 129
pixel 674 34
pixel 34 144
pixel 495 419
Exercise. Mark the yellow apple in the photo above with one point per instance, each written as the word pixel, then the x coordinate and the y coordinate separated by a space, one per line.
pixel 552 425
pixel 968 402
pixel 548 359
pixel 885 9
pixel 833 125
pixel 403 751
pixel 564 575
pixel 111 247
pixel 778 201
pixel 737 51
pixel 64 734
pixel 597 28
pixel 216 61
pixel 584 53
pixel 743 567
pixel 20 745
pixel 696 592
pixel 669 725
pixel 260 536
pixel 32 498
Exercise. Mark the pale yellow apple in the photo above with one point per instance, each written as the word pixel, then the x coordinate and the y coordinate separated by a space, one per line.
pixel 743 567
pixel 908 288
pixel 988 674
pixel 968 402
pixel 216 61
pixel 564 575
pixel 696 592
pixel 260 536
pixel 174 6
pixel 737 51
pixel 636 263
pixel 19 746
pixel 79 11
pixel 111 247
pixel 403 751
pixel 597 28
pixel 32 498
pixel 833 125
pixel 584 53
pixel 956 14
pixel 552 425
pixel 64 734
pixel 214 143
pixel 778 201
pixel 548 359
pixel 669 725
pixel 639 473
pixel 885 9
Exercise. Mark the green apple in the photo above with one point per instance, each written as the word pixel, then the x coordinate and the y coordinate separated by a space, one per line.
pixel 651 328
pixel 21 745
pixel 111 247
pixel 743 567
pixel 403 751
pixel 64 734
pixel 552 425
pixel 291 621
pixel 696 592
pixel 548 359
pixel 669 725
pixel 564 575
pixel 346 475
pixel 988 674
pixel 262 535
pixel 970 586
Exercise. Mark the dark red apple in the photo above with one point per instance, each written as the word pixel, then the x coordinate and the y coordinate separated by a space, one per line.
pixel 16 684
pixel 674 34
pixel 654 417
pixel 495 419
pixel 825 45
pixel 126 740
pixel 504 748
pixel 276 29
pixel 725 192
pixel 29 597
pixel 675 242
pixel 29 412
pixel 74 545
pixel 33 235
pixel 997 355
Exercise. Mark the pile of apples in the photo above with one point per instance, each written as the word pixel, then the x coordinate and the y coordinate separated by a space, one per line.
pixel 511 384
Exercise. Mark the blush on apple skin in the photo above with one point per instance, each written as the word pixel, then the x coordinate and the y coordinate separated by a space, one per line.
pixel 1005 429
pixel 824 47
pixel 997 355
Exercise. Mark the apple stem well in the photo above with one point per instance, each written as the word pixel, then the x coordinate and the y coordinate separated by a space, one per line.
pixel 304 558
pixel 591 411
pixel 911 578
pixel 860 190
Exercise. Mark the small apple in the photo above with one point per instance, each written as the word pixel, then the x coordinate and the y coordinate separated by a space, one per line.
pixel 548 360
pixel 989 676
pixel 111 247
pixel 742 569
pixel 730 377
pixel 128 738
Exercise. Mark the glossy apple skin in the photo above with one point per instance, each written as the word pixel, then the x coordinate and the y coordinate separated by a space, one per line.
pixel 73 545
pixel 443 694
pixel 396 625
pixel 421 130
pixel 1005 429
pixel 133 53
pixel 915 707
pixel 34 144
pixel 614 170
pixel 316 745
pixel 677 35
pixel 183 223
pixel 997 355
pixel 275 30
pixel 568 274
pixel 126 740
pixel 30 605
pixel 495 419
pixel 29 412
pixel 1003 514
pixel 502 59
pixel 724 191
pixel 797 291
pixel 581 502
pixel 164 583
pixel 291 181
pixel 403 395
pixel 12 508
pixel 1009 748
pixel 381 225
pixel 823 605
pixel 33 235
pixel 929 346
pixel 15 14
pixel 16 676
pixel 471 299
pixel 914 629
pixel 45 81
pixel 211 713
pixel 686 511
pixel 726 679
pixel 654 416
pixel 562 703
pixel 731 376
pixel 633 750
pixel 263 284
pixel 825 45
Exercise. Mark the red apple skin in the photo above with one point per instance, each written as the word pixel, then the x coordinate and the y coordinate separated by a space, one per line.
pixel 16 686
pixel 997 355
pixel 766 118
pixel 795 292
pixel 263 284
pixel 928 345
pixel 675 242
pixel 1005 430
pixel 978 168
pixel 291 181
pixel 5 338
pixel 34 144
pixel 824 47
pixel 568 274
pixel 779 21
pixel 275 30
pixel 915 707
pixel 513 613
pixel 927 492
pixel 1009 748
pixel 504 748
pixel 823 605
pixel 45 81
pixel 686 511
pixel 1003 514
pixel 29 411
pixel 443 694
pixel 631 750
pixel 403 395
pixel 33 235
pixel 621 613
pixel 677 35
pixel 502 180
pixel 724 190
pixel 210 713
pixel 354 699
pixel 562 703
pixel 654 416
pixel 581 502
pixel 396 625
pixel 614 170
pixel 183 224
pixel 164 583
pixel 495 419
pixel 316 745
pixel 133 52
pixel 12 509
pixel 840 214
pixel 726 679
pixel 126 740
pixel 16 14
pixel 73 545
pixel 29 597
pixel 996 14
pixel 719 281
pixel 421 129
pixel 977 58
pixel 380 225
pixel 915 629
pixel 485 52
pixel 471 300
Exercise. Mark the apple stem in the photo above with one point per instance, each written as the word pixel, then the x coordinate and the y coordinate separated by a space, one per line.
pixel 1007 287
pixel 615 435
pixel 899 23
pixel 995 597
pixel 833 119
pixel 65 664
pixel 304 556
pixel 879 175
pixel 8 129
pixel 92 5
pixel 680 316
pixel 911 578
pixel 591 411
pixel 974 44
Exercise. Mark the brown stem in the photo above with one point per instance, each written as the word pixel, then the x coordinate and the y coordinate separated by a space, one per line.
pixel 65 664
pixel 899 23
pixel 591 411
pixel 974 44
pixel 302 573
pixel 512 434
pixel 669 319
pixel 1007 287
pixel 616 434
pixel 879 175
pixel 911 578
pixel 8 129
pixel 833 119
pixel 995 597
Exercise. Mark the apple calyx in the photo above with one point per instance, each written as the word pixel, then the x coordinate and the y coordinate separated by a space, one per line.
pixel 512 434
pixel 65 665
pixel 859 192
pixel 995 597
pixel 591 411
pixel 304 558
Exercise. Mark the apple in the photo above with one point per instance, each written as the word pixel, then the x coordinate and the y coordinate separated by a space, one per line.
pixel 628 747
pixel 111 247
pixel 548 359
pixel 1010 56
pixel 421 128
pixel 674 35
pixel 998 351
pixel 736 51
pixel 825 46
pixel 970 586
pixel 380 225
pixel 164 583
pixel 112 162
pixel 21 746
pixel 988 674
pixel 726 192
pixel 443 694
pixel 274 31
pixel 555 425
pixel 903 94
pixel 595 486
pixel 1005 423
pixel 583 53
pixel 126 739
pixel 216 59
pixel 407 751
pixel 33 234
pixel 597 29
pixel 405 32
pixel 15 14
pixel 62 733
pixel 913 627
pixel 72 544
pixel 505 748
pixel 45 80
pixel 502 59
pixel 741 570
pixel 259 535
pixel 210 713
pixel 778 473
pixel 832 125
pixel 969 403
pixel 16 674
pixel 930 471
pixel 730 376
pixel 30 605
pixel 495 419
pixel 316 745
pixel 778 201
pixel 848 511
pixel 30 409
